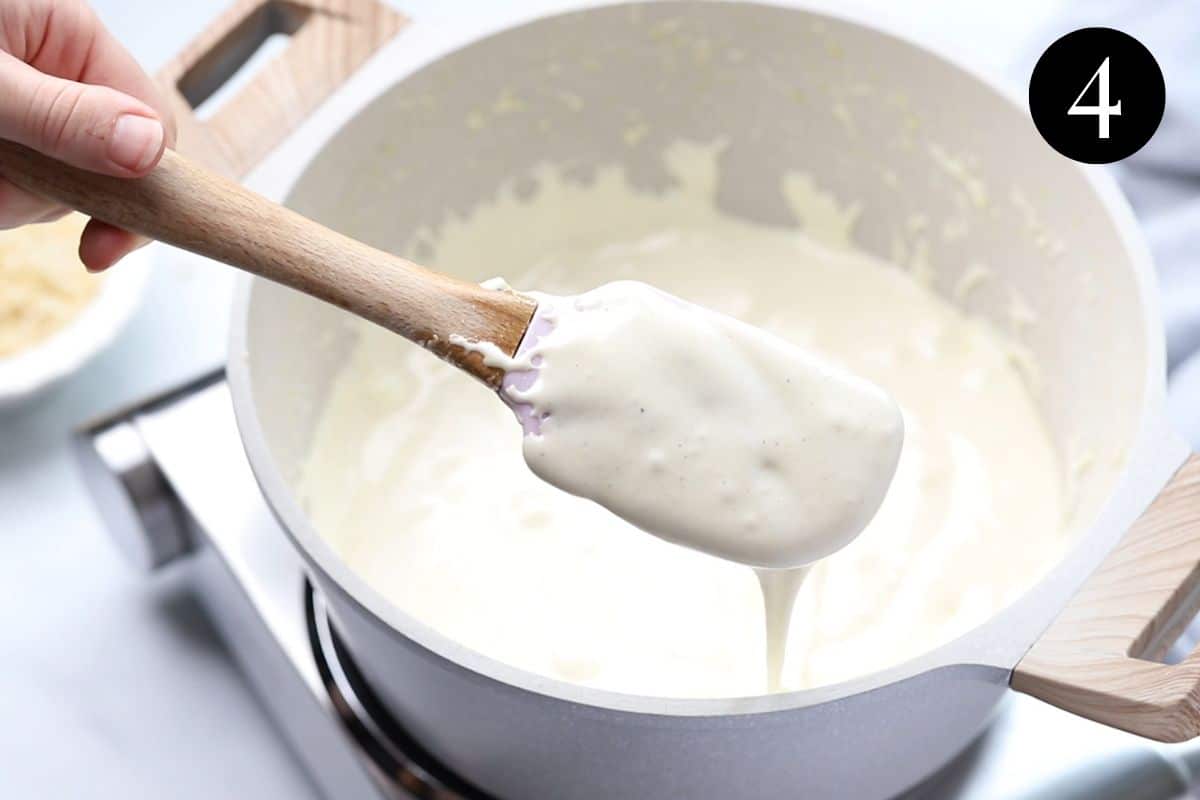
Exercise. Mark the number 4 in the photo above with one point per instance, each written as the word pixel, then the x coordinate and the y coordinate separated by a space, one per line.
pixel 1102 110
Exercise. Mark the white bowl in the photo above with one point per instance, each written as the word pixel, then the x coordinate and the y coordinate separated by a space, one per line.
pixel 29 373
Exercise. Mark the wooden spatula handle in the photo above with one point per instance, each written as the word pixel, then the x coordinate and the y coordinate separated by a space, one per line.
pixel 186 205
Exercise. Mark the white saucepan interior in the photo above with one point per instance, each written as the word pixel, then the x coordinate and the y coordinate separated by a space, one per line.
pixel 947 177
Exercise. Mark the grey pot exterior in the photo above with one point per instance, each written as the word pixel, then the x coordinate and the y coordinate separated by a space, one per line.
pixel 515 743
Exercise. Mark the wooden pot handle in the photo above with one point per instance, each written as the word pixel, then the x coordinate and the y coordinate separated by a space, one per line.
pixel 1097 658
pixel 329 40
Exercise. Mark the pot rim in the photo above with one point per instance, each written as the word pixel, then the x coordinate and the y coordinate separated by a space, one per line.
pixel 996 645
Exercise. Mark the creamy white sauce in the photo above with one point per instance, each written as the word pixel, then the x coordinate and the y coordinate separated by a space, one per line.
pixel 415 474
pixel 779 589
pixel 701 429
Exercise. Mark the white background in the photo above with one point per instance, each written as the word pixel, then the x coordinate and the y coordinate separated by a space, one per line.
pixel 112 684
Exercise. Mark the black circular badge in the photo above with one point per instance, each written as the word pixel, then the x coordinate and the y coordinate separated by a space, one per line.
pixel 1097 95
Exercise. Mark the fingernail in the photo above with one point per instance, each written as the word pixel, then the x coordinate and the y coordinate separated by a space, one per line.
pixel 135 142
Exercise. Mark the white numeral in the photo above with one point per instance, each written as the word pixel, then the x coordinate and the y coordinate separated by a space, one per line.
pixel 1102 110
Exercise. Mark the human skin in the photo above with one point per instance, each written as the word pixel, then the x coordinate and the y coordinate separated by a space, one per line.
pixel 71 91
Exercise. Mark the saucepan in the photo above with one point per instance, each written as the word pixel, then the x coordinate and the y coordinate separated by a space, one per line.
pixel 880 123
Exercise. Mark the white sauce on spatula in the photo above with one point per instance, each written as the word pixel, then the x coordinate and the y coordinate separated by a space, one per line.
pixel 703 430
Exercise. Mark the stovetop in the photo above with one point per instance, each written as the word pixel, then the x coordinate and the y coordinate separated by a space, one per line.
pixel 172 482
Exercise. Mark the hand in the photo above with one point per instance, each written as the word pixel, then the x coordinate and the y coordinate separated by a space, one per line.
pixel 69 90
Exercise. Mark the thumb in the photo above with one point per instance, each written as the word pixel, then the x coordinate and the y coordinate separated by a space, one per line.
pixel 92 127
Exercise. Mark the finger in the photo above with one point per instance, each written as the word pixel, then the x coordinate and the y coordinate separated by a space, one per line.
pixel 112 65
pixel 91 127
pixel 18 207
pixel 54 43
pixel 103 245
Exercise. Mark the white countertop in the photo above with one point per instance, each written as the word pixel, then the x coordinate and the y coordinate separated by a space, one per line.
pixel 112 683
